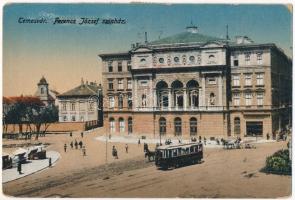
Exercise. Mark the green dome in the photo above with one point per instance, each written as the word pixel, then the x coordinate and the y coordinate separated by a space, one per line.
pixel 187 37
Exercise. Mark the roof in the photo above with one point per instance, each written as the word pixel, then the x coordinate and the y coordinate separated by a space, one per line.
pixel 185 145
pixel 83 90
pixel 187 37
pixel 42 81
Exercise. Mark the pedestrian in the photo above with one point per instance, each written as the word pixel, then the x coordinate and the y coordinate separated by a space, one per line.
pixel 200 138
pixel 65 147
pixel 50 163
pixel 71 134
pixel 126 148
pixel 205 140
pixel 115 153
pixel 84 151
pixel 82 134
pixel 138 141
pixel 267 136
pixel 19 167
pixel 76 144
pixel 110 136
pixel 80 144
pixel 72 145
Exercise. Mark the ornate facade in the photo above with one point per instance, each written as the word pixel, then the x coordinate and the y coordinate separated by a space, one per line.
pixel 192 84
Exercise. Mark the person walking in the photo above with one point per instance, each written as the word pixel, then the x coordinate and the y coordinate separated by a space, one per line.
pixel 50 162
pixel 65 147
pixel 71 134
pixel 126 148
pixel 115 153
pixel 19 167
pixel 205 140
pixel 76 144
pixel 80 144
pixel 84 150
pixel 72 145
pixel 138 142
pixel 82 134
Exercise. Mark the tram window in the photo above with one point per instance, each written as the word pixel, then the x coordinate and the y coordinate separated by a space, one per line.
pixel 192 150
pixel 174 152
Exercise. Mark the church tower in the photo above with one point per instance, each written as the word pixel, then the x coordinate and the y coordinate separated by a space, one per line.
pixel 43 91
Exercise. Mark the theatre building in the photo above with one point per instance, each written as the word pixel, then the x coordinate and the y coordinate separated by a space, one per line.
pixel 192 84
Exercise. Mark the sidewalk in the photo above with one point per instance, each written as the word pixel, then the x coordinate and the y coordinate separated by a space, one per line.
pixel 30 168
pixel 128 139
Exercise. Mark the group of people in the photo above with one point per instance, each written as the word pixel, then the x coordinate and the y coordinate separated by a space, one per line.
pixel 115 152
pixel 76 144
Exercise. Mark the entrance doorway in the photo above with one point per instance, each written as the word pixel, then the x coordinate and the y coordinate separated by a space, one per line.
pixel 254 128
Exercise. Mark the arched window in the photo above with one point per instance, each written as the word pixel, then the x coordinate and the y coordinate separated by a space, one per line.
pixel 121 125
pixel 112 125
pixel 177 126
pixel 237 126
pixel 193 92
pixel 162 94
pixel 130 125
pixel 177 94
pixel 162 125
pixel 193 126
pixel 143 100
pixel 120 101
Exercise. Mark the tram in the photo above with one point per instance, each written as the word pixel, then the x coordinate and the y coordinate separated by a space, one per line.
pixel 174 156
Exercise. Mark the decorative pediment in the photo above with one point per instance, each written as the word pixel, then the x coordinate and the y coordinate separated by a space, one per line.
pixel 141 49
pixel 212 44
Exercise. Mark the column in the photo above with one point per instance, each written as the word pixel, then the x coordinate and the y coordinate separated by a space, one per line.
pixel 203 92
pixel 151 95
pixel 169 100
pixel 155 99
pixel 200 98
pixel 184 99
pixel 134 97
pixel 220 90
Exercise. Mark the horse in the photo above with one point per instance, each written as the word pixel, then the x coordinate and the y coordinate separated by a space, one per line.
pixel 149 154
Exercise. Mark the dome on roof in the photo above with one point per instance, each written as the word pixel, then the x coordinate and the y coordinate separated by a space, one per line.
pixel 42 81
pixel 191 35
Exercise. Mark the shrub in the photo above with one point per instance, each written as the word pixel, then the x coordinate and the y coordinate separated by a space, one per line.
pixel 279 163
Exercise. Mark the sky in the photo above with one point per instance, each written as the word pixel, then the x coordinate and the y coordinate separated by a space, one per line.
pixel 65 53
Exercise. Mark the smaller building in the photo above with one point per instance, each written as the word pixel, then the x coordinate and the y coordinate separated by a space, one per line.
pixel 81 104
pixel 47 96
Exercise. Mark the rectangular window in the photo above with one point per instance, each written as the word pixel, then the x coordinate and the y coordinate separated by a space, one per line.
pixel 236 60
pixel 259 99
pixel 129 101
pixel 248 79
pixel 64 106
pixel 259 58
pixel 120 84
pixel 129 84
pixel 260 79
pixel 248 97
pixel 73 106
pixel 247 58
pixel 110 66
pixel 112 102
pixel 143 83
pixel 212 80
pixel 236 80
pixel 91 106
pixel 111 85
pixel 129 65
pixel 236 99
pixel 119 66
